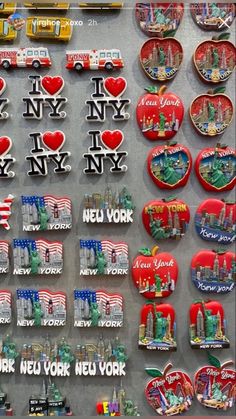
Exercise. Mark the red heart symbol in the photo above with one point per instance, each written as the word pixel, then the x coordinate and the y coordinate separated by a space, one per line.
pixel 115 87
pixel 2 85
pixel 5 145
pixel 52 85
pixel 112 139
pixel 53 140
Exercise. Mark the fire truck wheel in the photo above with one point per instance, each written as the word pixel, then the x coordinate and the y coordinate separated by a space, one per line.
pixel 36 64
pixel 109 66
pixel 6 65
pixel 78 67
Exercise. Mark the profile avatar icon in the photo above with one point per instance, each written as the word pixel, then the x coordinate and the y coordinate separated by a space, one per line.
pixel 17 21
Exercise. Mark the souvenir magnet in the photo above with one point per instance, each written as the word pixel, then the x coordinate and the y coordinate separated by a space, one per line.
pixel 8 33
pixel 45 93
pixel 106 358
pixel 154 274
pixel 37 257
pixel 5 306
pixel 169 165
pixel 8 355
pixel 97 309
pixel 47 148
pixel 47 27
pixel 214 271
pixel 215 220
pixel 6 160
pixel 108 92
pixel 5 406
pixel 104 147
pixel 103 257
pixel 24 57
pixel 215 168
pixel 93 59
pixel 46 212
pixel 166 219
pixel 214 60
pixel 211 113
pixel 53 359
pixel 4 257
pixel 5 211
pixel 157 329
pixel 118 406
pixel 207 325
pixel 213 16
pixel 108 207
pixel 214 384
pixel 159 19
pixel 3 101
pixel 159 115
pixel 169 393
pixel 49 402
pixel 40 307
pixel 160 59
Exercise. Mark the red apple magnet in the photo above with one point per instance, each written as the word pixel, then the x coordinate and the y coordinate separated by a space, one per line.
pixel 214 60
pixel 154 274
pixel 215 168
pixel 166 218
pixel 169 165
pixel 159 114
pixel 214 384
pixel 169 392
pixel 212 112
pixel 160 59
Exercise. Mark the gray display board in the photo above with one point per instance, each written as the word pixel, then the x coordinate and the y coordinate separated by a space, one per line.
pixel 108 30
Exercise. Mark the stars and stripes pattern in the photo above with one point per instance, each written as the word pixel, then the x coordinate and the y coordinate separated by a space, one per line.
pixel 5 211
pixel 5 295
pixel 99 296
pixel 4 247
pixel 105 246
pixel 39 245
pixel 41 295
pixel 47 201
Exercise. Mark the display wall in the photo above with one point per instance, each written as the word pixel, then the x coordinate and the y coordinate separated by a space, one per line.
pixel 108 30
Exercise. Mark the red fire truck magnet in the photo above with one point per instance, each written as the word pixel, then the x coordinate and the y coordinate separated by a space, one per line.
pixel 154 274
pixel 166 219
pixel 102 59
pixel 45 93
pixel 215 168
pixel 6 160
pixel 24 57
pixel 159 115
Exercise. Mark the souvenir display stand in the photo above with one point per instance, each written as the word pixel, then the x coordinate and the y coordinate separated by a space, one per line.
pixel 117 29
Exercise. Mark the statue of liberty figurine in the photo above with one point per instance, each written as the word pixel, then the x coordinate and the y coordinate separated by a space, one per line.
pixel 216 11
pixel 218 179
pixel 157 231
pixel 162 57
pixel 211 112
pixel 162 121
pixel 160 17
pixel 170 176
pixel 215 56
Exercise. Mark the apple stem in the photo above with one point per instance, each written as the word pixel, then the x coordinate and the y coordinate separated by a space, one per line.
pixel 210 92
pixel 167 368
pixel 154 250
pixel 226 364
pixel 162 90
